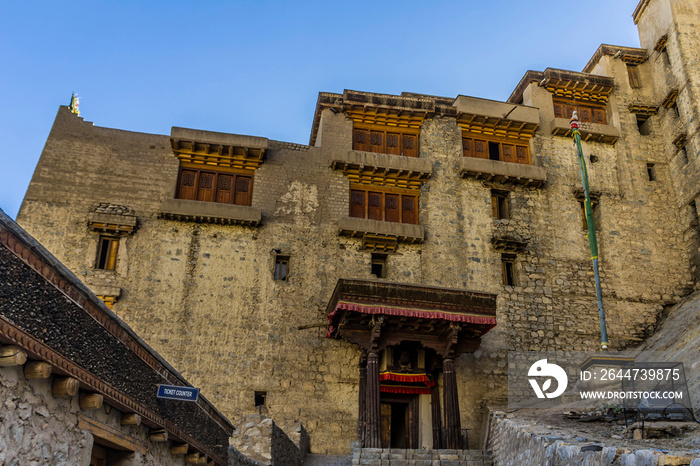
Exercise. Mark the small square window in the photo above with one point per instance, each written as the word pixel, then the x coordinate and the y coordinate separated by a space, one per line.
pixel 107 253
pixel 508 269
pixel 643 124
pixel 281 267
pixel 499 205
pixel 651 172
pixel 260 398
pixel 379 265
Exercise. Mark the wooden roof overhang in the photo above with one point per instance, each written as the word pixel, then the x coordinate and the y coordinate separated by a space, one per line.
pixel 643 109
pixel 375 314
pixel 578 86
pixel 404 111
pixel 498 127
pixel 629 55
pixel 670 98
pixel 218 149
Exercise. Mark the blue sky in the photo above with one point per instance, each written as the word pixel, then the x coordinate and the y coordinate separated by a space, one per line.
pixel 256 67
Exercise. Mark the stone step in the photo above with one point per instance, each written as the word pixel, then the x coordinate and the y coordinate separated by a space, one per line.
pixel 400 457
pixel 328 460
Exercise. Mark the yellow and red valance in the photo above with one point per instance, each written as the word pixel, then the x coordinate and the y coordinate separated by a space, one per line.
pixel 398 382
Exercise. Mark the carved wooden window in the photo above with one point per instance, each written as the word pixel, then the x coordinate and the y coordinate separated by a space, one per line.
pixel 107 250
pixel 210 186
pixel 394 206
pixel 393 141
pixel 503 150
pixel 586 113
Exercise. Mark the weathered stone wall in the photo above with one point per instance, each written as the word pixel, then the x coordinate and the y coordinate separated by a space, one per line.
pixel 260 441
pixel 36 428
pixel 515 442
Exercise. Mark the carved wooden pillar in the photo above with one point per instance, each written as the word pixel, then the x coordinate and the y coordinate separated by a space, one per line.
pixel 452 424
pixel 436 414
pixel 362 417
pixel 373 429
pixel 372 439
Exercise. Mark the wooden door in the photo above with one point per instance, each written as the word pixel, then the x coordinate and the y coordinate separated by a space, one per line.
pixel 391 209
pixel 385 425
pixel 243 190
pixel 357 203
pixel 186 186
pixel 360 139
pixel 409 145
pixel 374 206
pixel 393 143
pixel 480 149
pixel 467 147
pixel 377 141
pixel 521 154
pixel 508 152
pixel 408 209
pixel 205 188
pixel 224 189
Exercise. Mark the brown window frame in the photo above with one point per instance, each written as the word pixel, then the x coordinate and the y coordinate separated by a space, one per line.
pixel 375 138
pixel 379 212
pixel 508 273
pixel 633 76
pixel 509 150
pixel 195 191
pixel 500 205
pixel 586 113
pixel 107 250
pixel 281 272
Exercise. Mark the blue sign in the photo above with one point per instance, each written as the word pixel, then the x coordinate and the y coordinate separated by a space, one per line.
pixel 172 392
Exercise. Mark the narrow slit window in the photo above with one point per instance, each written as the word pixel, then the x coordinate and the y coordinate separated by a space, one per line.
pixel 508 265
pixel 107 253
pixel 281 268
pixel 499 205
pixel 651 172
pixel 633 75
pixel 379 265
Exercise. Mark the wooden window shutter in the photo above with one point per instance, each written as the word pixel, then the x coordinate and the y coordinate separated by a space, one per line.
pixel 559 110
pixel 633 74
pixel 391 208
pixel 494 206
pixel 409 145
pixel 360 139
pixel 374 206
pixel 468 147
pixel 224 189
pixel 186 186
pixel 357 203
pixel 585 114
pixel 377 141
pixel 392 143
pixel 522 154
pixel 508 152
pixel 243 194
pixel 480 149
pixel 205 188
pixel 599 116
pixel 408 209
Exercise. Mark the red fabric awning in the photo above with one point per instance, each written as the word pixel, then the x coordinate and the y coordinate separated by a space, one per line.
pixel 479 319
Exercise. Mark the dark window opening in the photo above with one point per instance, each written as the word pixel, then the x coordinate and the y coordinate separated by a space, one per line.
pixel 643 124
pixel 508 263
pixel 260 399
pixel 499 205
pixel 651 172
pixel 494 153
pixel 674 110
pixel 379 265
pixel 107 253
pixel 633 75
pixel 594 211
pixel 683 155
pixel 281 268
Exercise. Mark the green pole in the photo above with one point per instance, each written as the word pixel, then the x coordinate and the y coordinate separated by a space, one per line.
pixel 590 223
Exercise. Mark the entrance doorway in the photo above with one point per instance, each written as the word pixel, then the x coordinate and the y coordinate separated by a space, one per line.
pixel 399 421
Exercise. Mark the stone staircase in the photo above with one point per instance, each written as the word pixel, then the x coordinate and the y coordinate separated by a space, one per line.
pixel 328 460
pixel 399 457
